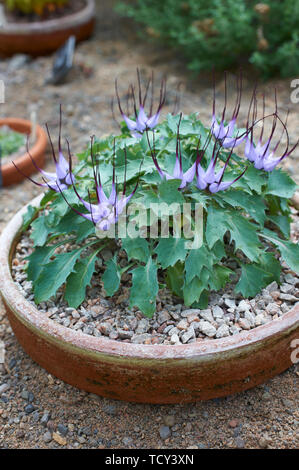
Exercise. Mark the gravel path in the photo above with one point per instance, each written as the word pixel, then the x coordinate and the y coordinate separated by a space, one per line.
pixel 36 409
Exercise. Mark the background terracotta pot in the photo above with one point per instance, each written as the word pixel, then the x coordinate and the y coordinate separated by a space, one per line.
pixel 9 174
pixel 144 373
pixel 44 37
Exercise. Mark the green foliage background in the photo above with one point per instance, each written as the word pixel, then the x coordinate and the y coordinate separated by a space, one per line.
pixel 222 33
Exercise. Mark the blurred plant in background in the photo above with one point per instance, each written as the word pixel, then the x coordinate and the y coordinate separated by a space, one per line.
pixel 34 6
pixel 223 33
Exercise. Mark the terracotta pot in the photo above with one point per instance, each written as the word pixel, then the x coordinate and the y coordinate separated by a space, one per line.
pixel 144 373
pixel 44 37
pixel 9 174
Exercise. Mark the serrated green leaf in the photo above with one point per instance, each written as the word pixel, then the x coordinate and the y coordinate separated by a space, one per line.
pixel 78 280
pixel 252 280
pixel 145 288
pixel 170 250
pixel 111 277
pixel 220 277
pixel 28 217
pixel 175 278
pixel 271 265
pixel 280 184
pixel 216 226
pixel 282 222
pixel 136 248
pixel 195 288
pixel 41 229
pixel 252 204
pixel 196 261
pixel 254 178
pixel 39 257
pixel 289 251
pixel 244 235
pixel 169 193
pixel 54 274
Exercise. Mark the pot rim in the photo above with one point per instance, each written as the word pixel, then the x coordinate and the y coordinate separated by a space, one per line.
pixel 68 21
pixel 68 337
pixel 40 142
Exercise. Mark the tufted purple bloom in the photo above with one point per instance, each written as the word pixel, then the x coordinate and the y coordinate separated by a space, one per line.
pixel 143 120
pixel 210 179
pixel 260 154
pixel 106 211
pixel 223 132
pixel 178 172
pixel 61 179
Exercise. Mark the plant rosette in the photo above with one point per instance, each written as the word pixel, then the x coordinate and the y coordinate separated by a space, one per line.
pixel 167 211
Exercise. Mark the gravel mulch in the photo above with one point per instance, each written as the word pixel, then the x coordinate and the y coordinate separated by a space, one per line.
pixel 173 323
pixel 36 409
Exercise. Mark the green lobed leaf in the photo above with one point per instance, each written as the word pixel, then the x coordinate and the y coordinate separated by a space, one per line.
pixel 289 251
pixel 252 280
pixel 54 274
pixel 145 288
pixel 79 279
pixel 244 234
pixel 136 248
pixel 175 278
pixel 196 261
pixel 170 250
pixel 280 184
pixel 111 277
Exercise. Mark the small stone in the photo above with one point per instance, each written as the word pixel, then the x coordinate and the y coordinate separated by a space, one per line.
pixel 188 335
pixel 272 287
pixel 190 311
pixel 3 388
pixel 106 255
pixel 218 312
pixel 250 318
pixel 264 441
pixel 164 432
pixel 125 334
pixel 287 288
pixel 230 303
pixel 259 320
pixel 169 420
pixel 29 409
pixel 244 324
pixel 163 317
pixel 233 423
pixel 243 306
pixel 222 331
pixel 140 339
pixel 207 315
pixel 45 418
pixel 47 437
pixel 240 444
pixel 174 339
pixel 59 439
pixel 127 441
pixel 63 430
pixel 207 329
pixel 288 297
pixel 272 308
pixel 183 324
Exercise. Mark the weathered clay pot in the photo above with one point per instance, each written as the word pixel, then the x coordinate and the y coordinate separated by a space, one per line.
pixel 144 373
pixel 9 173
pixel 44 37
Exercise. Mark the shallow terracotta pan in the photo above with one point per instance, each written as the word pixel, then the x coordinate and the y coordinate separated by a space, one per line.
pixel 44 37
pixel 9 174
pixel 144 373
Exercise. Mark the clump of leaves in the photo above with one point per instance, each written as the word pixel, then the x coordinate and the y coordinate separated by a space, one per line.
pixel 246 220
pixel 222 33
pixel 10 141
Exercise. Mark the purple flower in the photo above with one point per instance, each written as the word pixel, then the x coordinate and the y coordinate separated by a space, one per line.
pixel 178 172
pixel 106 211
pixel 61 179
pixel 260 154
pixel 143 120
pixel 223 132
pixel 210 179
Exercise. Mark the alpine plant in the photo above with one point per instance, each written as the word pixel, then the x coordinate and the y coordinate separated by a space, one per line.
pixel 229 173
